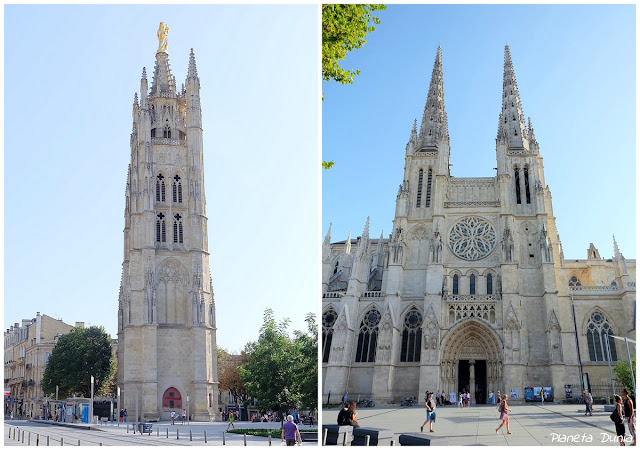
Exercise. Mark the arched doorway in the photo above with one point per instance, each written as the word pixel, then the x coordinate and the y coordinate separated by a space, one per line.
pixel 471 359
pixel 172 399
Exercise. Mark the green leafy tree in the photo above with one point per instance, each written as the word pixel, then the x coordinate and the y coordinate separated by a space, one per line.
pixel 344 28
pixel 622 375
pixel 229 376
pixel 77 356
pixel 277 374
pixel 307 367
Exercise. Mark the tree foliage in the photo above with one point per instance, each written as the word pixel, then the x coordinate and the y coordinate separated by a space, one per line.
pixel 77 356
pixel 229 376
pixel 282 373
pixel 622 375
pixel 344 28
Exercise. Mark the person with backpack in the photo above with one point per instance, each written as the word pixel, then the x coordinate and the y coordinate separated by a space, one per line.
pixel 503 408
pixel 430 404
pixel 629 413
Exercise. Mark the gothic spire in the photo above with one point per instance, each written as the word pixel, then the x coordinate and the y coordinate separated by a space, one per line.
pixel 192 71
pixel 163 81
pixel 511 128
pixel 327 237
pixel 616 251
pixel 434 126
pixel 363 246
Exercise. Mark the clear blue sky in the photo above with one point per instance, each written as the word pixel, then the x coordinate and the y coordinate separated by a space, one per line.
pixel 576 71
pixel 70 75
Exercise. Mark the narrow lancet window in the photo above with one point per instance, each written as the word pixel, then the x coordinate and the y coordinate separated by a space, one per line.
pixel 455 285
pixel 526 184
pixel 489 284
pixel 472 284
pixel 419 189
pixel 517 179
pixel 428 199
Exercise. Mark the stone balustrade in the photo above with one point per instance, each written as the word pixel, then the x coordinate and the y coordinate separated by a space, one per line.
pixel 372 294
pixel 333 295
pixel 168 141
pixel 472 298
pixel 594 289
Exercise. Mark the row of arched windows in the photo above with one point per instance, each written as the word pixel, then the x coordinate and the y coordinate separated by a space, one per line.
pixel 368 335
pixel 472 284
pixel 161 229
pixel 427 202
pixel 176 189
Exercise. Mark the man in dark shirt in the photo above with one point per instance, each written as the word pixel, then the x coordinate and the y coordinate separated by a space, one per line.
pixel 347 415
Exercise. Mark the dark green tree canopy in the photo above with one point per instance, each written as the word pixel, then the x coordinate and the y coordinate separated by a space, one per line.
pixel 77 356
pixel 282 373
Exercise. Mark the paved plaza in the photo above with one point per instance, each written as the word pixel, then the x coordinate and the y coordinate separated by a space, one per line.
pixel 114 435
pixel 531 424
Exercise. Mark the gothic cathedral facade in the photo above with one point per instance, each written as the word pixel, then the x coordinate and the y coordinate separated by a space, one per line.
pixel 166 310
pixel 471 290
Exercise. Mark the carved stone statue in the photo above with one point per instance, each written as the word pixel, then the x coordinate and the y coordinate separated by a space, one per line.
pixel 163 37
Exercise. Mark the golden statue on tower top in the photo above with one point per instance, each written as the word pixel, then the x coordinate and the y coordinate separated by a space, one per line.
pixel 163 36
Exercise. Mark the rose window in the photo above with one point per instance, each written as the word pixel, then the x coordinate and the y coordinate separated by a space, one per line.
pixel 472 238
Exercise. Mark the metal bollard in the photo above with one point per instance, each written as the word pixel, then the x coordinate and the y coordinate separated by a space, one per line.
pixel 177 433
pixel 269 440
pixel 61 441
pixel 9 432
pixel 393 442
pixel 205 436
pixel 37 439
pixel 158 430
pixel 78 442
pixel 324 436
pixel 167 433
pixel 29 440
pixel 367 439
pixel 224 440
pixel 127 428
pixel 23 436
pixel 47 441
pixel 190 435
pixel 245 440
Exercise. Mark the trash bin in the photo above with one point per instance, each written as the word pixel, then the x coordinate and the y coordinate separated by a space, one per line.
pixel 145 428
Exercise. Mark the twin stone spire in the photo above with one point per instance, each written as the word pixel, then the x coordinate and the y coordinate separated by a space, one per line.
pixel 434 129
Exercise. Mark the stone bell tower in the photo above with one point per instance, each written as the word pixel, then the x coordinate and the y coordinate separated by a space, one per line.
pixel 166 309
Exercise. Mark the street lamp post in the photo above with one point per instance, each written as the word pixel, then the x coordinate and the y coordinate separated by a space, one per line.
pixel 188 411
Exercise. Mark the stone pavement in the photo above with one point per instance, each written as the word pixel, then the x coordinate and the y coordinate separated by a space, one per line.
pixel 531 424
pixel 114 435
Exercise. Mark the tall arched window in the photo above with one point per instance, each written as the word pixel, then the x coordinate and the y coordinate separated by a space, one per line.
pixel 368 337
pixel 160 188
pixel 177 189
pixel 166 132
pixel 598 332
pixel 472 284
pixel 177 229
pixel 411 336
pixel 573 281
pixel 161 230
pixel 517 179
pixel 419 189
pixel 526 184
pixel 489 284
pixel 428 199
pixel 455 284
pixel 328 321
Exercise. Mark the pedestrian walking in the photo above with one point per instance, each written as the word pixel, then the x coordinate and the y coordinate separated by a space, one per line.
pixel 542 396
pixel 430 404
pixel 459 399
pixel 231 417
pixel 290 432
pixel 616 417
pixel 173 417
pixel 344 397
pixel 588 401
pixel 438 398
pixel 629 414
pixel 503 408
pixel 124 414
